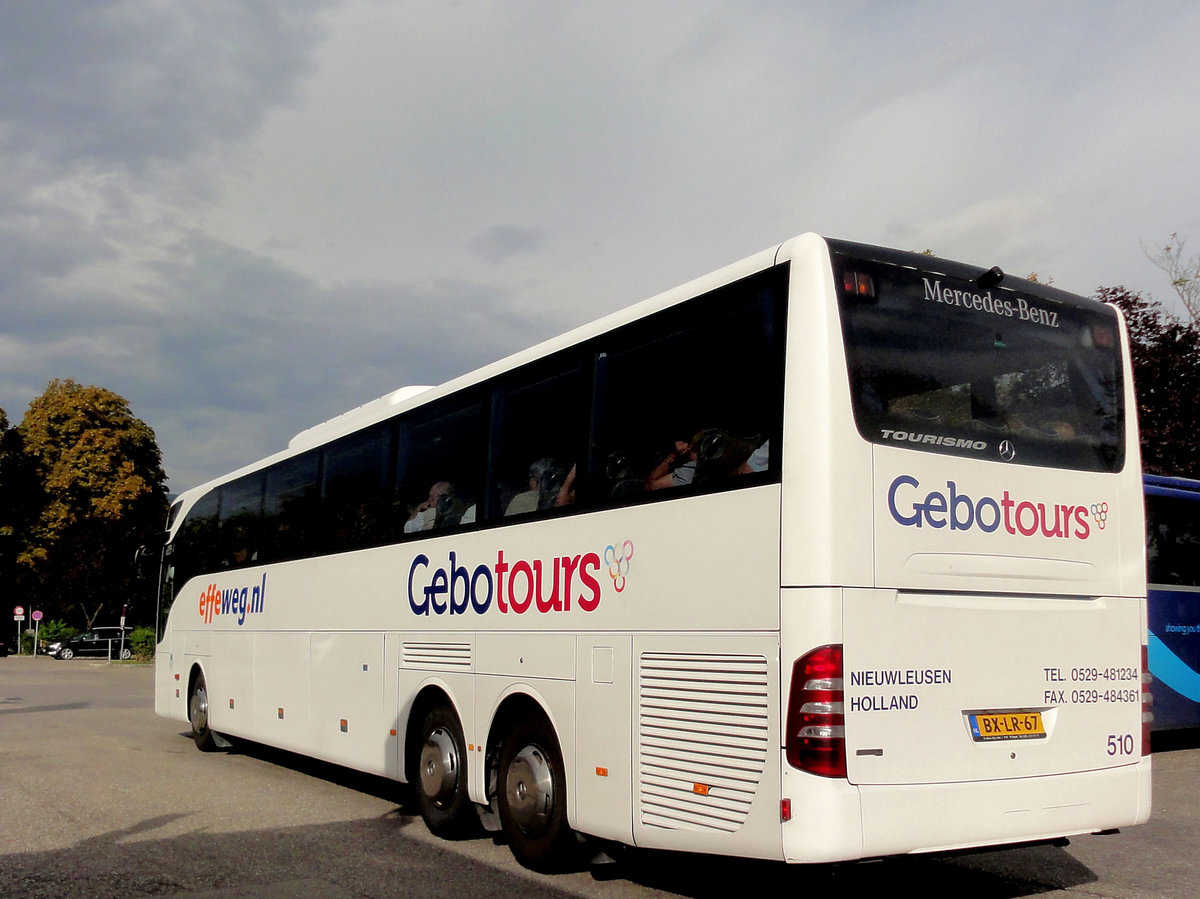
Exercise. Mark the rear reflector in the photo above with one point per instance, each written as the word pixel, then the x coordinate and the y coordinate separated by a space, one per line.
pixel 1147 701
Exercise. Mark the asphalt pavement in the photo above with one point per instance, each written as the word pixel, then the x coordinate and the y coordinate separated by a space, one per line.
pixel 100 797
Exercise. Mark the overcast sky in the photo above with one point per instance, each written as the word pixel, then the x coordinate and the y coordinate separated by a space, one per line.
pixel 247 217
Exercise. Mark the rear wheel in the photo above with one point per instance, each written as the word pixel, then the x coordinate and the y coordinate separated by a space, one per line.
pixel 198 715
pixel 441 784
pixel 533 797
pixel 126 654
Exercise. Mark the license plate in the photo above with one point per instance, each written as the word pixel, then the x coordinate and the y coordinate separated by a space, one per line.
pixel 1017 725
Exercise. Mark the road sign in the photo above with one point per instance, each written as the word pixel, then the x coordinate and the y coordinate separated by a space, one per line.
pixel 37 616
pixel 19 610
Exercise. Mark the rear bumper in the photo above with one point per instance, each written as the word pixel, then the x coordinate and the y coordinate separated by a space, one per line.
pixel 896 820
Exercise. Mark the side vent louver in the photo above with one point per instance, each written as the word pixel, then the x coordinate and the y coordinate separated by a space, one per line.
pixel 456 656
pixel 702 726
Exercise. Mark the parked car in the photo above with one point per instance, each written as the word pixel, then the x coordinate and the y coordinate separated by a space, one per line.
pixel 100 642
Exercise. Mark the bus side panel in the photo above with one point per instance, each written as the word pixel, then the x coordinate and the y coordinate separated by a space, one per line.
pixel 170 700
pixel 603 793
pixel 706 730
pixel 282 695
pixel 230 680
pixel 826 521
pixel 1174 651
pixel 347 713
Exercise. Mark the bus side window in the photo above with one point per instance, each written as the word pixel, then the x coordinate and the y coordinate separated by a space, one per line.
pixel 291 507
pixel 541 436
pixel 195 546
pixel 439 467
pixel 355 506
pixel 693 394
pixel 240 533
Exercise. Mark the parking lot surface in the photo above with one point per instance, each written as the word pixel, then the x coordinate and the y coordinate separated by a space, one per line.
pixel 100 797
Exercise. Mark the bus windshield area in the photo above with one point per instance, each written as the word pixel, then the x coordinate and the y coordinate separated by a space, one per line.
pixel 941 363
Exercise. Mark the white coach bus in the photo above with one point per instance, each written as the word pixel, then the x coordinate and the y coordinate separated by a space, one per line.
pixel 834 553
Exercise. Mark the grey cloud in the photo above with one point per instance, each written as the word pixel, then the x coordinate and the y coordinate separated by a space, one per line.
pixel 501 242
pixel 278 353
pixel 124 83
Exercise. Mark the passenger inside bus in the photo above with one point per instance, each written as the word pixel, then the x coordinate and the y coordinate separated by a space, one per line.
pixel 444 508
pixel 711 454
pixel 546 478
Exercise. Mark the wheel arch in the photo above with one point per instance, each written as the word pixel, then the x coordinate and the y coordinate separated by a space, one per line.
pixel 519 702
pixel 195 672
pixel 430 695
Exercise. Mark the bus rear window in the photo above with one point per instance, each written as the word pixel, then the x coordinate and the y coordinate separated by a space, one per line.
pixel 1017 373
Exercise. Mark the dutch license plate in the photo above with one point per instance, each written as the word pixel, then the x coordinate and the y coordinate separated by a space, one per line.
pixel 1019 725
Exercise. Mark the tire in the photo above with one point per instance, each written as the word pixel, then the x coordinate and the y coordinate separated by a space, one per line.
pixel 66 655
pixel 126 654
pixel 198 715
pixel 532 796
pixel 440 784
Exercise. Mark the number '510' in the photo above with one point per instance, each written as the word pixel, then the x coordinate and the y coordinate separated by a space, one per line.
pixel 1120 744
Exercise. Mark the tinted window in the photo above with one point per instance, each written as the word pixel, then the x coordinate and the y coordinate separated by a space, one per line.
pixel 440 466
pixel 241 521
pixel 1173 541
pixel 691 398
pixel 196 547
pixel 290 509
pixel 941 364
pixel 541 442
pixel 356 505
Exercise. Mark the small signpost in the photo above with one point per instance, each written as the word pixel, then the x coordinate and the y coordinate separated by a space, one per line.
pixel 18 617
pixel 37 624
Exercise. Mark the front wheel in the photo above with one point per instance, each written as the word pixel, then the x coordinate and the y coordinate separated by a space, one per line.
pixel 66 655
pixel 533 797
pixel 198 715
pixel 442 777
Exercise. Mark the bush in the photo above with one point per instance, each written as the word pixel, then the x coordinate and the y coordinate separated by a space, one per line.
pixel 142 642
pixel 53 631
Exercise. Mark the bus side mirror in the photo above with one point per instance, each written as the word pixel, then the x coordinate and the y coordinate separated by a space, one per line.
pixel 145 558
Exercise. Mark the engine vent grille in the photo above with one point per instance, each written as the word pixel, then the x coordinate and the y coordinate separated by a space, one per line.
pixel 456 656
pixel 702 739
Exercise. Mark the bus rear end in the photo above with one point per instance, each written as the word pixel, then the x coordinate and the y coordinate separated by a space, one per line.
pixel 975 674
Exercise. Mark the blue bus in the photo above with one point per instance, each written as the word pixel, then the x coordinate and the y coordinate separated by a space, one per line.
pixel 1173 584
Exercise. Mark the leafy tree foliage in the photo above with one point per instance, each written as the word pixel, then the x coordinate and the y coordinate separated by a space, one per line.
pixel 1166 371
pixel 89 488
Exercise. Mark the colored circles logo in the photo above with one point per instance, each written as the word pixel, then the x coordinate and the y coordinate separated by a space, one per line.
pixel 1100 513
pixel 617 557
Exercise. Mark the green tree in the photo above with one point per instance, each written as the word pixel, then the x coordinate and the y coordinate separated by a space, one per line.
pixel 94 491
pixel 1166 369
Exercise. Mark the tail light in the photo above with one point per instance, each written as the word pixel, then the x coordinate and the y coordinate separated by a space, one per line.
pixel 816 723
pixel 1147 701
pixel 857 284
